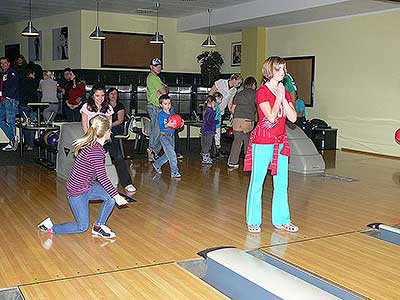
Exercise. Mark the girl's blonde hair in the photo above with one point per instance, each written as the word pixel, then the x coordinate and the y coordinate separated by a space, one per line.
pixel 236 76
pixel 270 64
pixel 98 126
pixel 48 75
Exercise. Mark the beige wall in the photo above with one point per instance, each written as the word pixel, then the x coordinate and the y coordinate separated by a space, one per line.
pixel 357 76
pixel 11 34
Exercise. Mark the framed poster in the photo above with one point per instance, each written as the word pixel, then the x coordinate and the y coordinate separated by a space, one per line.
pixel 236 54
pixel 128 50
pixel 35 48
pixel 60 43
pixel 302 70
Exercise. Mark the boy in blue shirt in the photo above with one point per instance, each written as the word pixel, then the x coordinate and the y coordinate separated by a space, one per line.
pixel 167 138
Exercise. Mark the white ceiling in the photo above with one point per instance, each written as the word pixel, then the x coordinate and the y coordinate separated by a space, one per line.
pixel 17 10
pixel 227 15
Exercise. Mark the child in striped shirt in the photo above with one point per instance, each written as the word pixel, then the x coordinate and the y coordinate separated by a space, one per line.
pixel 88 181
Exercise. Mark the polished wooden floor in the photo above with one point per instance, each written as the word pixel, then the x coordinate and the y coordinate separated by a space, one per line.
pixel 173 220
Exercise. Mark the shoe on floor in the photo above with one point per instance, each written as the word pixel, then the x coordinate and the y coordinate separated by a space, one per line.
pixel 150 155
pixel 179 156
pixel 8 147
pixel 289 227
pixel 158 170
pixel 206 159
pixel 103 231
pixel 29 148
pixel 176 175
pixel 130 188
pixel 233 166
pixel 46 225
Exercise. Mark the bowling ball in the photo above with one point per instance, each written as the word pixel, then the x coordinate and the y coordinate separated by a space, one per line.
pixel 397 136
pixel 52 138
pixel 41 136
pixel 46 136
pixel 177 119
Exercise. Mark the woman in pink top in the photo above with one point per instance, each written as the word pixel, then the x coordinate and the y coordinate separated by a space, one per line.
pixel 269 148
pixel 97 104
pixel 87 181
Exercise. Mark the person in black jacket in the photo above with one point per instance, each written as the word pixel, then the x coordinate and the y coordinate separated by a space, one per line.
pixel 29 87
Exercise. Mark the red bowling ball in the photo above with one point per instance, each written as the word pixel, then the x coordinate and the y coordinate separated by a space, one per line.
pixel 397 136
pixel 176 119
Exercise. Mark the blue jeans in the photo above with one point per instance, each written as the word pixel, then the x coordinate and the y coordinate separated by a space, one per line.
pixel 154 138
pixel 29 135
pixel 168 145
pixel 8 110
pixel 80 208
pixel 262 156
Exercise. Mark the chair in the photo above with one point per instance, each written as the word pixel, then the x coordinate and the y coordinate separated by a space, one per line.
pixel 145 122
pixel 142 133
pixel 128 128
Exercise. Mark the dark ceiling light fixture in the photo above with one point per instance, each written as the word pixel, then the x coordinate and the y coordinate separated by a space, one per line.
pixel 97 34
pixel 30 30
pixel 209 43
pixel 157 38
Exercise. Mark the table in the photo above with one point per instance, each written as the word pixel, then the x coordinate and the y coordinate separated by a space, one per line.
pixel 188 124
pixel 38 106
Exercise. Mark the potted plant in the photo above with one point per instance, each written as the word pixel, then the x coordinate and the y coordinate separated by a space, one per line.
pixel 210 66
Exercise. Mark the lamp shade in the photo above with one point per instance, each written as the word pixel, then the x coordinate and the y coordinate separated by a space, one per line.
pixel 97 34
pixel 208 42
pixel 29 30
pixel 157 39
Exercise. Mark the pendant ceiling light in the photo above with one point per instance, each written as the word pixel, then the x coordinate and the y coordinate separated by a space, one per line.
pixel 209 41
pixel 30 30
pixel 157 38
pixel 97 34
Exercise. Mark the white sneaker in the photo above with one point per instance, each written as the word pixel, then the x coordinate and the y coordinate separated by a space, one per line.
pixel 103 231
pixel 46 225
pixel 233 166
pixel 8 147
pixel 130 188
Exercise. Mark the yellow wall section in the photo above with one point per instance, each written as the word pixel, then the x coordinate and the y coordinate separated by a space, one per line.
pixel 253 51
pixel 357 75
pixel 180 49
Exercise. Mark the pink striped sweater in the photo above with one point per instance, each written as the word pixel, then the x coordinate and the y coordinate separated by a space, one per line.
pixel 89 168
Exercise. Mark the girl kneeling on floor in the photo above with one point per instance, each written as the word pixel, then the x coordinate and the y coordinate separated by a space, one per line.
pixel 87 181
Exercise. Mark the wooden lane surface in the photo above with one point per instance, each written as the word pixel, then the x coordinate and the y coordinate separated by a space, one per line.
pixel 363 264
pixel 157 282
pixel 173 220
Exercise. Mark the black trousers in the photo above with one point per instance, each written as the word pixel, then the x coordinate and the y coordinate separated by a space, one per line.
pixel 116 154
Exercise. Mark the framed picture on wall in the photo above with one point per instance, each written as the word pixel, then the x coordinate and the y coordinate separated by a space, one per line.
pixel 35 48
pixel 236 54
pixel 60 43
pixel 128 50
pixel 302 70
